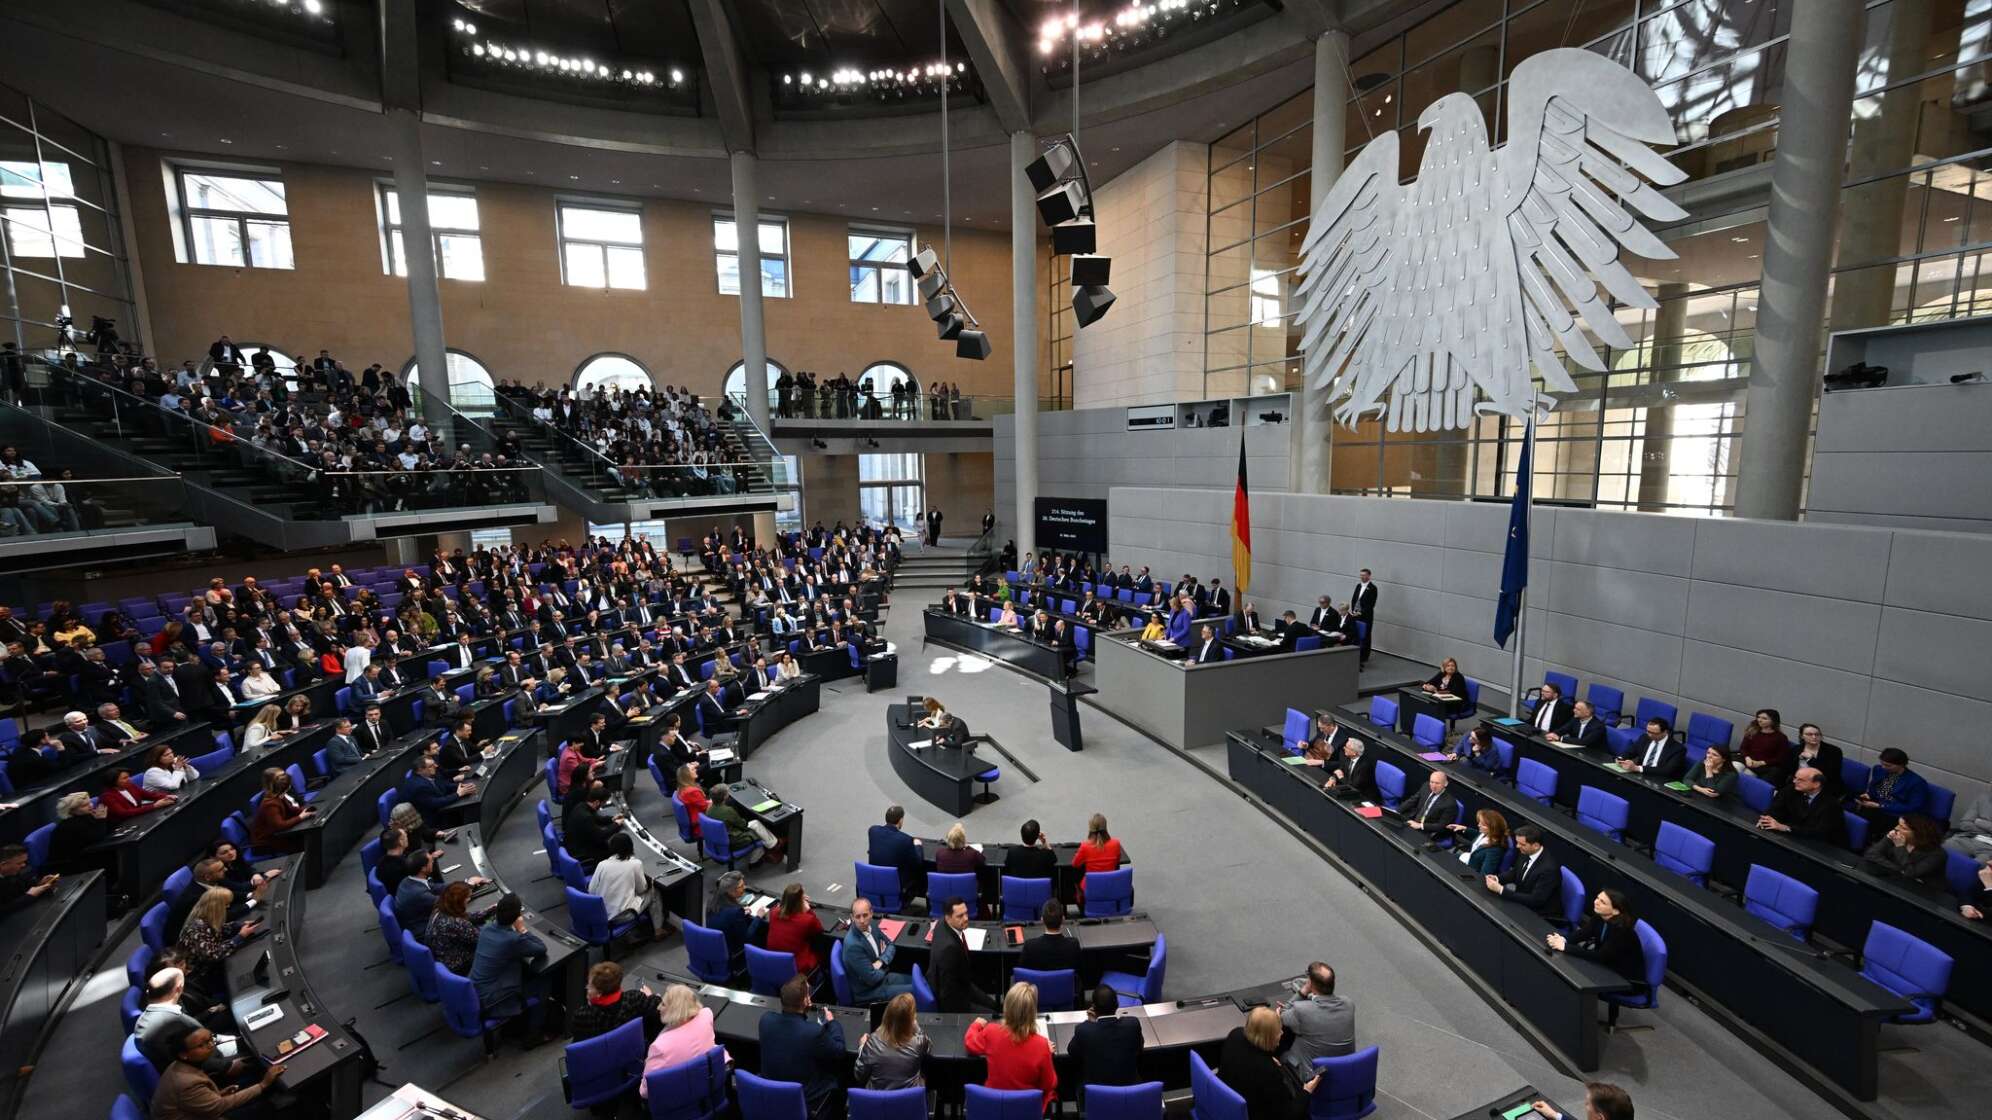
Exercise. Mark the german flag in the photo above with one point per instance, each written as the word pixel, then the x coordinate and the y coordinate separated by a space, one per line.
pixel 1241 533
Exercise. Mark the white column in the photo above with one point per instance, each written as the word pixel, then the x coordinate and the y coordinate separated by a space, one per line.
pixel 1024 335
pixel 1312 424
pixel 753 341
pixel 425 303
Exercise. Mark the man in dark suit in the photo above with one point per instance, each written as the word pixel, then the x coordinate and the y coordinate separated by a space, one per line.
pixel 200 694
pixel 1106 1048
pixel 80 742
pixel 952 981
pixel 1535 880
pixel 712 708
pixel 804 1048
pixel 888 846
pixel 1325 617
pixel 1583 729
pixel 431 794
pixel 1207 648
pixel 1051 950
pixel 585 829
pixel 1356 775
pixel 1362 604
pixel 373 733
pixel 1432 808
pixel 1220 598
pixel 1657 755
pixel 1034 859
pixel 1804 808
pixel 1288 628
pixel 1552 710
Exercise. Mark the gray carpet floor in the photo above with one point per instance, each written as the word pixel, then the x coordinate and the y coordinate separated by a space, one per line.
pixel 1239 898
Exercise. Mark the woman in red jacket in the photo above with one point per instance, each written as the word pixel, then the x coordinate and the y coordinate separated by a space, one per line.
pixel 691 796
pixel 124 799
pixel 276 814
pixel 1098 852
pixel 793 927
pixel 1018 1056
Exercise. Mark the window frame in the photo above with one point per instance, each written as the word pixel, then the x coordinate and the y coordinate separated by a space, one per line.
pixel 242 218
pixel 786 256
pixel 388 228
pixel 562 240
pixel 650 380
pixel 47 205
pixel 859 229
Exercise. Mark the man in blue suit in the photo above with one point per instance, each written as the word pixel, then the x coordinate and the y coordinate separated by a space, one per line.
pixel 890 847
pixel 868 959
pixel 431 794
pixel 804 1048
pixel 504 949
pixel 1657 754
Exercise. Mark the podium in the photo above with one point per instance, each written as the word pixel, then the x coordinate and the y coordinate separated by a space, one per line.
pixel 1065 712
pixel 881 672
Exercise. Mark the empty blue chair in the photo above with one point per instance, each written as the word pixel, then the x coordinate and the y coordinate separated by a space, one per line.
pixel 880 885
pixel 762 1099
pixel 1533 779
pixel 376 890
pixel 1856 830
pixel 985 1103
pixel 588 917
pixel 1754 791
pixel 840 980
pixel 552 771
pixel 1297 730
pixel 1606 702
pixel 342 699
pixel 1024 899
pixel 1428 731
pixel 1212 1099
pixel 767 971
pixel 1647 996
pixel 420 964
pixel 1573 897
pixel 1649 708
pixel 923 992
pixel 466 694
pixel 1383 711
pixel 1147 988
pixel 37 844
pixel 390 929
pixel 212 761
pixel 1505 751
pixel 385 803
pixel 1121 1102
pixel 1908 966
pixel 909 1103
pixel 152 927
pixel 960 885
pixel 176 882
pixel 1854 775
pixel 707 954
pixel 1109 893
pixel 129 1007
pixel 1603 812
pixel 138 969
pixel 544 815
pixel 1306 642
pixel 1687 854
pixel 1960 873
pixel 605 1068
pixel 691 1090
pixel 1942 801
pixel 1347 1089
pixel 1705 731
pixel 718 845
pixel 1390 784
pixel 1057 989
pixel 1780 900
pixel 321 761
pixel 658 779
pixel 141 1077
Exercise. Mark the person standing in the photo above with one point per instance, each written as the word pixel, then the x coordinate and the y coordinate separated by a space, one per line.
pixel 1362 605
pixel 1019 1056
pixel 934 520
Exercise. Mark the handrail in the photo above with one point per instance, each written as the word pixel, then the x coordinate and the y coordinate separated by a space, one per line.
pixel 84 379
pixel 514 408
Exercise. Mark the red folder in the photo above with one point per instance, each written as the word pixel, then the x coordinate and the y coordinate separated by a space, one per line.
pixel 1369 811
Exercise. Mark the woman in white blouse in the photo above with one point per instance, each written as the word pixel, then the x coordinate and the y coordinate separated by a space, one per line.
pixel 261 730
pixel 258 684
pixel 166 771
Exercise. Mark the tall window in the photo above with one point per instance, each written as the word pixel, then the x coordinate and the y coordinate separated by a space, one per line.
pixel 601 246
pixel 774 256
pixel 452 225
pixel 610 371
pixel 39 224
pixel 236 218
pixel 878 266
pixel 890 488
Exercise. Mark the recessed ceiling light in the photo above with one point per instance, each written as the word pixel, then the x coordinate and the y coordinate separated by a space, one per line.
pixel 280 147
pixel 1116 147
pixel 484 167
pixel 616 182
pixel 874 208
pixel 771 198
pixel 389 159
pixel 226 140
pixel 574 176
pixel 435 163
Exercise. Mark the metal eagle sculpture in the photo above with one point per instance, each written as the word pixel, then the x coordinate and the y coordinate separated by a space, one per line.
pixel 1473 273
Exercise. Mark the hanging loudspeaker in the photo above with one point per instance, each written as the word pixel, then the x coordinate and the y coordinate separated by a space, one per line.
pixel 1049 168
pixel 932 283
pixel 1061 203
pixel 950 325
pixel 941 305
pixel 1089 304
pixel 1074 237
pixel 1092 272
pixel 973 345
pixel 923 262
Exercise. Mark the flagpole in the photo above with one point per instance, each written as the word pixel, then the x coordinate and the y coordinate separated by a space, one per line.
pixel 1522 599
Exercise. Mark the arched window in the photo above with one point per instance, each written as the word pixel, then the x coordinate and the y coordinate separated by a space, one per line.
pixel 885 375
pixel 286 367
pixel 470 383
pixel 736 382
pixel 611 371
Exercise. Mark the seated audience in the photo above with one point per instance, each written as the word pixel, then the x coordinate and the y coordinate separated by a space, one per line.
pixel 804 1048
pixel 1250 1065
pixel 1803 808
pixel 1913 849
pixel 868 957
pixel 506 950
pixel 1764 750
pixel 609 1006
pixel 1583 728
pixel 1657 754
pixel 891 1057
pixel 1893 790
pixel 1319 1023
pixel 1714 775
pixel 687 1033
pixel 625 889
pixel 1601 1102
pixel 1106 1048
pixel 452 933
pixel 1607 935
pixel 955 856
pixel 1018 1056
pixel 1490 842
pixel 1535 879
pixel 1815 752
pixel 188 1091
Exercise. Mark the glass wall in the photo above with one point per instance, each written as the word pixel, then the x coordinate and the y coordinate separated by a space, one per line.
pixel 62 255
pixel 1658 428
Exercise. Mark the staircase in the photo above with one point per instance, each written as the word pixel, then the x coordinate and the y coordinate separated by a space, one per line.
pixel 928 571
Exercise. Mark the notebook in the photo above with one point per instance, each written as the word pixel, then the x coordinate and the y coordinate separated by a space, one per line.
pixel 766 806
pixel 1435 756
pixel 1295 760
pixel 890 928
pixel 1370 812
pixel 1681 787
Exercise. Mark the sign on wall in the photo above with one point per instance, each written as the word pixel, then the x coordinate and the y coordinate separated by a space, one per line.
pixel 1072 524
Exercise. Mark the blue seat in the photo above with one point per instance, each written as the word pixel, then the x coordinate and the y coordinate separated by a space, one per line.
pixel 213 760
pixel 1057 989
pixel 37 844
pixel 690 1090
pixel 707 954
pixel 588 917
pixel 1108 893
pixel 1960 873
pixel 767 970
pixel 985 1103
pixel 298 783
pixel 1942 801
pixel 569 870
pixel 1572 895
pixel 138 969
pixel 909 1103
pixel 1347 1089
pixel 1687 854
pixel 1147 988
pixel 986 777
pixel 605 1068
pixel 420 964
pixel 683 815
pixel 1082 643
pixel 1533 779
pixel 1620 740
pixel 718 846
pixel 1566 686
pixel 1122 1102
pixel 1854 775
pixel 1024 899
pixel 1504 750
pixel 1754 791
pixel 321 761
pixel 390 928
pixel 1780 900
pixel 1212 1099
pixel 552 771
pixel 1390 784
pixel 1383 711
pixel 1307 642
pixel 466 694
pixel 1606 702
pixel 762 1099
pixel 342 699
pixel 1297 730
pixel 1856 830
pixel 1908 966
pixel 152 927
pixel 880 885
pixel 376 890
pixel 1705 731
pixel 385 803
pixel 1647 996
pixel 1428 731
pixel 960 885
pixel 840 980
pixel 544 814
pixel 1649 708
pixel 462 1010
pixel 923 992
pixel 1603 812
pixel 141 1077
pixel 176 882
pixel 658 778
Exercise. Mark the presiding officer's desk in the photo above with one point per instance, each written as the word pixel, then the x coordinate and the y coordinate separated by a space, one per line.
pixel 50 942
pixel 943 776
pixel 1501 943
pixel 1192 705
pixel 1819 1012
pixel 1013 648
pixel 1850 898
pixel 266 973
pixel 563 972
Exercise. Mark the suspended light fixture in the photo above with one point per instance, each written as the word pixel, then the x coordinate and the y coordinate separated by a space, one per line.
pixel 1065 201
pixel 952 318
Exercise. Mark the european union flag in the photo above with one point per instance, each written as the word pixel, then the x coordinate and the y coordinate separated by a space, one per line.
pixel 1515 567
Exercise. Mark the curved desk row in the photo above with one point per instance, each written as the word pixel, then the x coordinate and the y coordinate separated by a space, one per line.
pixel 563 972
pixel 51 943
pixel 35 806
pixel 682 881
pixel 347 809
pixel 943 776
pixel 1026 654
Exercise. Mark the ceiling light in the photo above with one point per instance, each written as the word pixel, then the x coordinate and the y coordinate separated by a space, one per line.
pixel 313 7
pixel 226 140
pixel 677 75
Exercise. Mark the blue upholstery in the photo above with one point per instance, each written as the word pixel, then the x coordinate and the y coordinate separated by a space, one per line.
pixel 1856 829
pixel 141 1077
pixel 604 1068
pixel 176 882
pixel 923 992
pixel 1654 950
pixel 762 1099
pixel 1390 784
pixel 1620 740
pixel 909 1103
pixel 1908 966
pixel 1120 1102
pixel 840 980
pixel 1383 711
pixel 152 927
pixel 1428 731
pixel 1649 708
pixel 1854 775
pixel 767 971
pixel 385 803
pixel 1606 702
pixel 1754 791
pixel 1960 873
pixel 1533 779
pixel 1942 801
pixel 1780 900
pixel 390 929
pixel 683 816
pixel 212 761
pixel 544 814
pixel 880 885
pixel 1108 893
pixel 1603 812
pixel 588 917
pixel 461 1008
pixel 138 968
pixel 1505 751
pixel 296 774
pixel 129 1007
pixel 1147 988
pixel 1307 642
pixel 1024 899
pixel 1565 683
pixel 553 777
pixel 1057 989
pixel 1212 1099
pixel 376 891
pixel 719 846
pixel 37 845
pixel 1574 898
pixel 985 1103
pixel 1347 1089
pixel 1294 735
pixel 569 870
pixel 1705 731
pixel 1687 854
pixel 420 965
pixel 321 761
pixel 707 954
pixel 692 1090
pixel 342 700
pixel 960 885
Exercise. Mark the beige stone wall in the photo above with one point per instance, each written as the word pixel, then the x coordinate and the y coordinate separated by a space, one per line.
pixel 522 321
pixel 963 485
